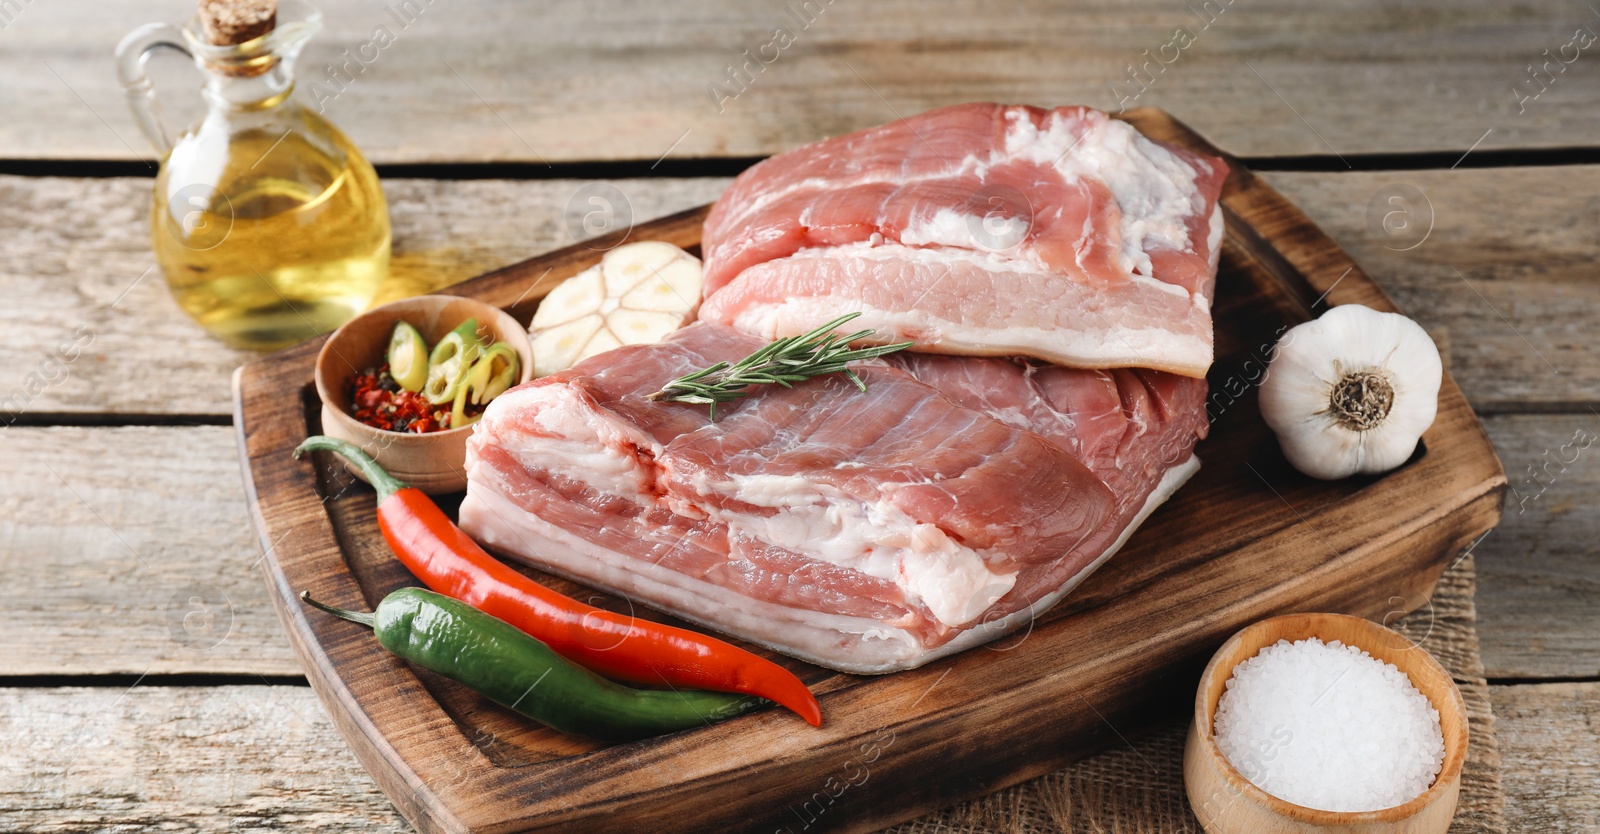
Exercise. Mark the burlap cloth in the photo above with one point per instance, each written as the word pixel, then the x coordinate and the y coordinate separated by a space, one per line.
pixel 1139 788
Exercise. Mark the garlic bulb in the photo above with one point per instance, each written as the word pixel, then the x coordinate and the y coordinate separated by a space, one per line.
pixel 1352 391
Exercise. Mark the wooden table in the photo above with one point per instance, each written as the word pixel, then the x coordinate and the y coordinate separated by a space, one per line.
pixel 145 681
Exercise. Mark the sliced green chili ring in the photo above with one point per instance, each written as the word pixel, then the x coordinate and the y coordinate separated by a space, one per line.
pixel 471 387
pixel 450 361
pixel 408 357
pixel 504 365
pixel 488 378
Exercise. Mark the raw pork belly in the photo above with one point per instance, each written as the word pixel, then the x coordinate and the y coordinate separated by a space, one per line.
pixel 865 532
pixel 980 230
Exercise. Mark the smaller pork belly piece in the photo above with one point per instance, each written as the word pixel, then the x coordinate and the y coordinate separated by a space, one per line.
pixel 980 230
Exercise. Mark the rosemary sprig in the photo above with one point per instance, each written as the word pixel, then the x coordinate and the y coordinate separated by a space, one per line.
pixel 784 362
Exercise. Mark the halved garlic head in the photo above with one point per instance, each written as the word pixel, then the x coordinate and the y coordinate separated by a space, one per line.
pixel 637 294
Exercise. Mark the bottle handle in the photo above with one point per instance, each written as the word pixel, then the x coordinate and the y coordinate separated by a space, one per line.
pixel 131 55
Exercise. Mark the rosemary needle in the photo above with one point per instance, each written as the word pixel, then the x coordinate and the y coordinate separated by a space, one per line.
pixel 783 362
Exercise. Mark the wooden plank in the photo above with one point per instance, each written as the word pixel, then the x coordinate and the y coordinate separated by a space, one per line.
pixel 127 551
pixel 625 79
pixel 259 758
pixel 223 758
pixel 1539 580
pixel 1365 547
pixel 1507 279
pixel 1538 601
pixel 1550 746
pixel 1524 295
pixel 102 335
pixel 252 759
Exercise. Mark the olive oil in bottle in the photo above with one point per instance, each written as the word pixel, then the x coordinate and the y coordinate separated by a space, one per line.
pixel 291 241
pixel 269 224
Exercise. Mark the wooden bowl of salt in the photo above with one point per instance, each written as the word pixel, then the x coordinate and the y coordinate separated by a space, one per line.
pixel 1227 802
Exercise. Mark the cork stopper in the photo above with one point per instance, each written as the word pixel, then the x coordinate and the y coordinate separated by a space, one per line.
pixel 232 22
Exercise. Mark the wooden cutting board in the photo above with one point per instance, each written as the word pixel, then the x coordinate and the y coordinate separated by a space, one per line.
pixel 1247 538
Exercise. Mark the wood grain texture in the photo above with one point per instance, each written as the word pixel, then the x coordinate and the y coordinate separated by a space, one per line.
pixel 626 79
pixel 1550 743
pixel 109 759
pixel 127 551
pixel 1538 601
pixel 1354 546
pixel 224 758
pixel 1505 270
pixel 252 759
pixel 80 244
pixel 76 269
pixel 1539 578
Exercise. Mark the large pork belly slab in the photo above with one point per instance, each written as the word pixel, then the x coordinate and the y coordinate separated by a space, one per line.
pixel 980 230
pixel 868 532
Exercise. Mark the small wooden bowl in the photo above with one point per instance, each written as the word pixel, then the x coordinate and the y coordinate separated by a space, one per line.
pixel 433 462
pixel 1227 803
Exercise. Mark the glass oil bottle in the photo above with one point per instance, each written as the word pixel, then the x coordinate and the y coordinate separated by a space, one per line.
pixel 269 224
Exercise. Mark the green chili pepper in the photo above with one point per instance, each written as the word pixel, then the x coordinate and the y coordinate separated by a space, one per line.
pixel 500 662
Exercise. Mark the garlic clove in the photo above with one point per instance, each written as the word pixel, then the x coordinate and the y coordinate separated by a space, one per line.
pixel 572 299
pixel 557 348
pixel 670 288
pixel 1351 392
pixel 641 265
pixel 1386 450
pixel 1335 454
pixel 636 327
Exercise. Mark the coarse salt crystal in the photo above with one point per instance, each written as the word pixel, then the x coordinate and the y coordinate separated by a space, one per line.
pixel 1330 727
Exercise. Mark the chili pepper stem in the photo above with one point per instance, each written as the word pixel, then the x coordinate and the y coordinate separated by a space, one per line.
pixel 382 481
pixel 368 620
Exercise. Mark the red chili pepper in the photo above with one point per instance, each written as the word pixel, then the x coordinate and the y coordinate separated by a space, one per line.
pixel 448 561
